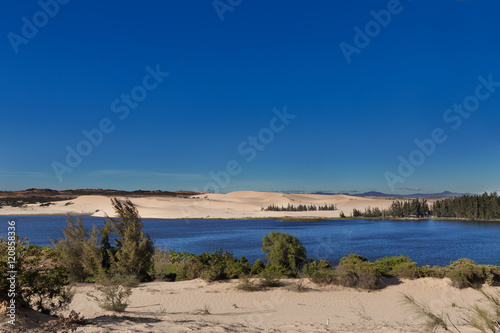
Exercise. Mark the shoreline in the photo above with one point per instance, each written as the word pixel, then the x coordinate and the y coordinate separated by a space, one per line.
pixel 282 218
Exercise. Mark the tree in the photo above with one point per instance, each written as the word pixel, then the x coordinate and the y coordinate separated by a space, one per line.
pixel 78 252
pixel 283 251
pixel 135 249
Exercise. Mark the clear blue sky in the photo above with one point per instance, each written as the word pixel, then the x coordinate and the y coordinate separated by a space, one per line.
pixel 352 120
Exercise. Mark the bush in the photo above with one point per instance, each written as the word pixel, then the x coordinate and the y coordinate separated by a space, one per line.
pixel 397 266
pixel 220 265
pixel 284 251
pixel 188 270
pixel 40 284
pixel 258 266
pixel 433 271
pixel 162 268
pixel 324 276
pixel 78 252
pixel 113 292
pixel 270 278
pixel 465 273
pixel 247 285
pixel 134 249
pixel 357 272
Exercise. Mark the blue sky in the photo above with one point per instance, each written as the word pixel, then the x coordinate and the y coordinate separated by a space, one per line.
pixel 351 119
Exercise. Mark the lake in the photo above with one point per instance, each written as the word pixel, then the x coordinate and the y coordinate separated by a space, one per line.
pixel 427 242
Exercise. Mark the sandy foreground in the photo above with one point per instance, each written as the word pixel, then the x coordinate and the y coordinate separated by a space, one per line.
pixel 173 306
pixel 243 204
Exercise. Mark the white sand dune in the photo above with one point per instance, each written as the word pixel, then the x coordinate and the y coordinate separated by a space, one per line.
pixel 171 307
pixel 242 204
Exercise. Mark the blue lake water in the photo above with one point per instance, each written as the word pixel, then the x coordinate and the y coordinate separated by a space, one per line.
pixel 427 242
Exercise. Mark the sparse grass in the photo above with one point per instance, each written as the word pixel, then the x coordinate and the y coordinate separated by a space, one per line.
pixel 433 321
pixel 300 285
pixel 269 279
pixel 112 293
pixel 205 310
pixel 247 285
pixel 487 320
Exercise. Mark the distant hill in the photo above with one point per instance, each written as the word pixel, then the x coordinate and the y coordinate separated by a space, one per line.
pixel 63 194
pixel 414 195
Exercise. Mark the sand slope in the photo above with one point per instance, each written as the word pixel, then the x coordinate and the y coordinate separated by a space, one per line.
pixel 243 204
pixel 171 307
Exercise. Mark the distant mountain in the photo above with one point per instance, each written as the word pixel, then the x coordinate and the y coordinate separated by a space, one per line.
pixel 414 195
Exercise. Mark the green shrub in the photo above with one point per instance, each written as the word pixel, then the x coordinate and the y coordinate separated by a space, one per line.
pixel 352 259
pixel 492 274
pixel 433 271
pixel 465 273
pixel 40 284
pixel 113 292
pixel 397 266
pixel 324 276
pixel 284 251
pixel 220 265
pixel 258 266
pixel 270 278
pixel 407 270
pixel 357 272
pixel 247 285
pixel 188 270
pixel 134 248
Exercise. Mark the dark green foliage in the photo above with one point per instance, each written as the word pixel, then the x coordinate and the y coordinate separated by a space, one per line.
pixel 398 266
pixel 258 266
pixel 134 249
pixel 78 252
pixel 433 271
pixel 357 272
pixel 21 201
pixel 300 208
pixel 43 288
pixel 162 268
pixel 409 208
pixel 400 209
pixel 284 252
pixel 321 272
pixel 465 273
pixel 472 207
pixel 270 278
pixel 220 265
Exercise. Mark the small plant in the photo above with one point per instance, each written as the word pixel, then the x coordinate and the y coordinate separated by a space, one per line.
pixel 300 285
pixel 270 279
pixel 113 293
pixel 247 285
pixel 205 310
